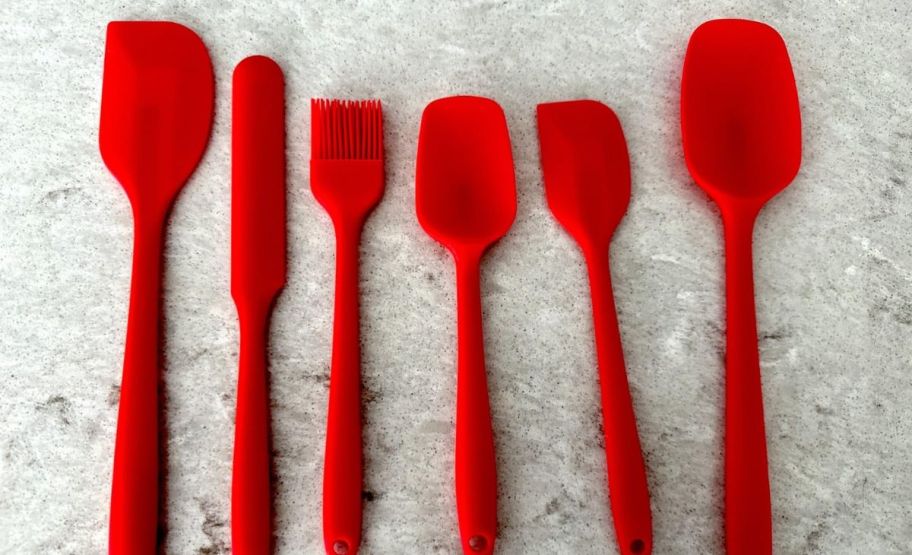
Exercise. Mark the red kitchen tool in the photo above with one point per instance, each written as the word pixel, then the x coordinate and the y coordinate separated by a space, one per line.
pixel 587 183
pixel 741 130
pixel 346 177
pixel 156 114
pixel 465 193
pixel 257 277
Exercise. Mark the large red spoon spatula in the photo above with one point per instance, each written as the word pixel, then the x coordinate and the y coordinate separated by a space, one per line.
pixel 742 139
pixel 587 182
pixel 156 113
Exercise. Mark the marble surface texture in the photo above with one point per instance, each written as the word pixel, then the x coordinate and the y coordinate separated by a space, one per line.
pixel 833 282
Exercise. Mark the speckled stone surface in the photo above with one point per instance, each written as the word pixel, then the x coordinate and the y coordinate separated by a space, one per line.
pixel 833 278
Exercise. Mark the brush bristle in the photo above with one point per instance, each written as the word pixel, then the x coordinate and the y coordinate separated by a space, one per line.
pixel 346 129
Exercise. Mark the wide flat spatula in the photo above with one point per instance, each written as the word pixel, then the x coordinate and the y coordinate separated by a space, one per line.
pixel 587 182
pixel 156 114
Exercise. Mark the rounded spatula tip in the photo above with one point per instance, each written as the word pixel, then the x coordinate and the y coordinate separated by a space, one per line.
pixel 259 67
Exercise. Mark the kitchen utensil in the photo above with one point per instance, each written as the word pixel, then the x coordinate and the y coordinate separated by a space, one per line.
pixel 257 277
pixel 587 183
pixel 346 177
pixel 741 131
pixel 156 114
pixel 466 199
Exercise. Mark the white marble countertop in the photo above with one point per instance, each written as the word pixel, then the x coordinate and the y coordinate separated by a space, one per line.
pixel 833 277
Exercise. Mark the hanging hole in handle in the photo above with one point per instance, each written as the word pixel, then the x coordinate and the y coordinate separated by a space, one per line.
pixel 478 543
pixel 637 546
pixel 340 547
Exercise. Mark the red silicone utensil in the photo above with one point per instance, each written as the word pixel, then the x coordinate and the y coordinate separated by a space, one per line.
pixel 587 183
pixel 257 277
pixel 346 177
pixel 741 129
pixel 156 113
pixel 465 193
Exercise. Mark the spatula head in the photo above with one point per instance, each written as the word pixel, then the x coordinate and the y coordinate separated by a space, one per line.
pixel 586 168
pixel 739 110
pixel 156 107
pixel 257 180
pixel 465 188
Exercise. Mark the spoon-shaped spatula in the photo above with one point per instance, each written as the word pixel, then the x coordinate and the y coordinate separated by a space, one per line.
pixel 587 183
pixel 742 140
pixel 465 192
pixel 156 113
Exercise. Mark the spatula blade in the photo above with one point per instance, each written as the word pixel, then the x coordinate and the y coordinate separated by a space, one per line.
pixel 740 114
pixel 465 186
pixel 156 106
pixel 586 167
pixel 258 243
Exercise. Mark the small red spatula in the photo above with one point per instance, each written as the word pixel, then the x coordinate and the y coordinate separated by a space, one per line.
pixel 587 183
pixel 156 113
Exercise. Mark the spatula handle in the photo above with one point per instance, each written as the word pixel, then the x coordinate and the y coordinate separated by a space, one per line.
pixel 748 523
pixel 134 493
pixel 627 484
pixel 476 475
pixel 342 471
pixel 251 491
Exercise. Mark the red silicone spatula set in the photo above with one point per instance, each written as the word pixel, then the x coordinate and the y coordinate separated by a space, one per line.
pixel 742 142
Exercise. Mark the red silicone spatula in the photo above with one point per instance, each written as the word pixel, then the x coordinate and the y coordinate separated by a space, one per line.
pixel 257 276
pixel 346 177
pixel 156 113
pixel 742 140
pixel 587 183
pixel 466 199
